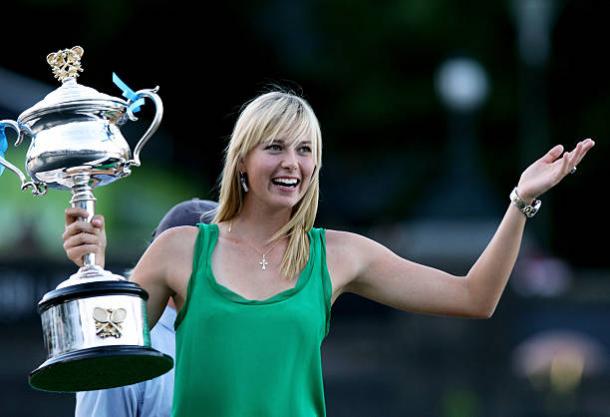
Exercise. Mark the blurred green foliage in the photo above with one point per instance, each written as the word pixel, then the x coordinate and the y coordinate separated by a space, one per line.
pixel 32 227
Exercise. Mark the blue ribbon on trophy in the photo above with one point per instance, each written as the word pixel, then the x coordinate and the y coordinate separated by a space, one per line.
pixel 3 145
pixel 128 93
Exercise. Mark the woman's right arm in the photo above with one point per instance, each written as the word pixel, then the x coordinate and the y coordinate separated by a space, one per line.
pixel 163 271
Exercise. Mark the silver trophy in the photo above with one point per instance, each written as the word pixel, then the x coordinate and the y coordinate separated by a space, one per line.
pixel 94 323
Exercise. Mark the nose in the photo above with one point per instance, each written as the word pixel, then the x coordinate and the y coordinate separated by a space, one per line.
pixel 290 160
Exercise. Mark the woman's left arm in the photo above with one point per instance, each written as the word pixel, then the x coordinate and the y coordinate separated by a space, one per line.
pixel 378 274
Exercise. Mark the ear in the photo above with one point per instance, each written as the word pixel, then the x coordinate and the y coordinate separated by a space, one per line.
pixel 241 166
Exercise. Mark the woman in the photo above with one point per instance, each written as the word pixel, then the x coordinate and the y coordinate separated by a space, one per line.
pixel 255 288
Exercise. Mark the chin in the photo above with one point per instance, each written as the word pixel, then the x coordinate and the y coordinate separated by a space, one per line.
pixel 284 202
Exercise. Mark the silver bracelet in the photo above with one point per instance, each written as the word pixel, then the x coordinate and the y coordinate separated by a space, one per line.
pixel 529 210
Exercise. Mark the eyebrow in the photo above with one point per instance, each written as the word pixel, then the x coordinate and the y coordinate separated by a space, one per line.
pixel 282 142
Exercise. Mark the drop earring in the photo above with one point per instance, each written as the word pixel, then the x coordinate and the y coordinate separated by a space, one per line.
pixel 242 180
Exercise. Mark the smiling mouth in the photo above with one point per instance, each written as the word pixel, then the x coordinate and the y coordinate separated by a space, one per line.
pixel 286 182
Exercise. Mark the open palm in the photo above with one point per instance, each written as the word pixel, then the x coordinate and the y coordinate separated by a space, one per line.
pixel 549 170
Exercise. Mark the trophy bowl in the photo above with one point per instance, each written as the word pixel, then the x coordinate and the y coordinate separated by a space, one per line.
pixel 94 324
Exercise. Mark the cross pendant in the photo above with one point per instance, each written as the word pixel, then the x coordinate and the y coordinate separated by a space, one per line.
pixel 263 263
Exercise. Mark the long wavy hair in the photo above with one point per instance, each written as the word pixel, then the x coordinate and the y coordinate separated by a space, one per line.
pixel 265 118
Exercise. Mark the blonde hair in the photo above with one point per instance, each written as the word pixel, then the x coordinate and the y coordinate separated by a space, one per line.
pixel 267 117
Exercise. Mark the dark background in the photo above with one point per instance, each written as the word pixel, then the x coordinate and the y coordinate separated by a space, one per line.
pixel 429 181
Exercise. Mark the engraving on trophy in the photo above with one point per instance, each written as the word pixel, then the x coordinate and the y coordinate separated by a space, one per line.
pixel 66 63
pixel 108 321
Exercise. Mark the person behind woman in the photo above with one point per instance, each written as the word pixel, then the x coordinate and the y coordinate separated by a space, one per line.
pixel 254 289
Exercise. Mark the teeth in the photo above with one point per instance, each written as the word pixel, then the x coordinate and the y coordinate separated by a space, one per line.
pixel 286 181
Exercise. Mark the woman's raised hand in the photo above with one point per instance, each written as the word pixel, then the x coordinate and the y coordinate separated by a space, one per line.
pixel 549 170
pixel 81 237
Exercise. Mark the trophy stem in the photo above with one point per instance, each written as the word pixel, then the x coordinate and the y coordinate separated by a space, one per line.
pixel 82 197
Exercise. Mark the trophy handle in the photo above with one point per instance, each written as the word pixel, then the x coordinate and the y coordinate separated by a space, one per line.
pixel 37 188
pixel 151 94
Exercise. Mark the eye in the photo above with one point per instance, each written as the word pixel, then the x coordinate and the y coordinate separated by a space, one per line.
pixel 305 148
pixel 273 147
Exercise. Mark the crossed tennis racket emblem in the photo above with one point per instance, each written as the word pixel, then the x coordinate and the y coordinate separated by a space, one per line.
pixel 108 321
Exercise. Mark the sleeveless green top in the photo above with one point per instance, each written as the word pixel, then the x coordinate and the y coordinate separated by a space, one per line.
pixel 237 357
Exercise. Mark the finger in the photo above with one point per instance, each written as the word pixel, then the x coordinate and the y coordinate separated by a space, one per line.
pixel 575 154
pixel 73 214
pixel 76 254
pixel 553 154
pixel 73 255
pixel 98 221
pixel 83 239
pixel 565 163
pixel 587 144
pixel 79 227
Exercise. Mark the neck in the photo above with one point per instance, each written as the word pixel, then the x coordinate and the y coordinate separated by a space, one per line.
pixel 258 224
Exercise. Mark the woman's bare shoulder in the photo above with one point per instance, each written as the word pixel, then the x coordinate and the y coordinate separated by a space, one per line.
pixel 179 233
pixel 169 258
pixel 344 257
pixel 344 240
pixel 177 241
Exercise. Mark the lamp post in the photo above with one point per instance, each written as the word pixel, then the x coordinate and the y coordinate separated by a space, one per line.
pixel 534 21
pixel 456 217
pixel 463 87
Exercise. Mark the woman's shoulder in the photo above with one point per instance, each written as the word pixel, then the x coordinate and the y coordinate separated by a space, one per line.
pixel 350 246
pixel 345 241
pixel 168 258
pixel 177 237
pixel 345 255
pixel 179 231
pixel 342 236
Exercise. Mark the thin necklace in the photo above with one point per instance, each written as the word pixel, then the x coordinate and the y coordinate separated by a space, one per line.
pixel 263 261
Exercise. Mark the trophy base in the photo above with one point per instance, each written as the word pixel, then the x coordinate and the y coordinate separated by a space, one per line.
pixel 99 368
pixel 96 334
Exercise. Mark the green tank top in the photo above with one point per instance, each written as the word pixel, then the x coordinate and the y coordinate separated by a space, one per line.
pixel 237 357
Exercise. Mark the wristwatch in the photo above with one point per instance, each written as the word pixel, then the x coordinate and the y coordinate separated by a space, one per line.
pixel 529 210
